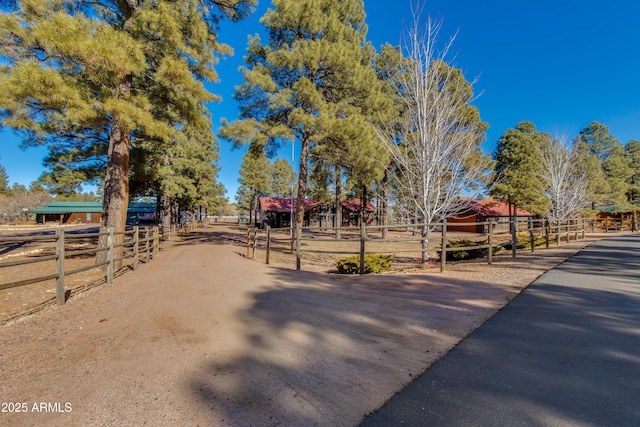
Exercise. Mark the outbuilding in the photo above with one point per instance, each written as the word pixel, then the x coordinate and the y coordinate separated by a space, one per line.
pixel 483 211
pixel 90 213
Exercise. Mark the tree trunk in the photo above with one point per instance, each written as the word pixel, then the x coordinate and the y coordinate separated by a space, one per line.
pixel 337 201
pixel 116 191
pixel 383 207
pixel 115 201
pixel 302 182
pixel 167 220
pixel 424 259
pixel 363 208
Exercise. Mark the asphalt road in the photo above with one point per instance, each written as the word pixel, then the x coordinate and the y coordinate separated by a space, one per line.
pixel 565 352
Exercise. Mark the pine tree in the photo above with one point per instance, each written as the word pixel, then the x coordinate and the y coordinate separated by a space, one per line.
pixel 611 167
pixel 632 151
pixel 518 168
pixel 4 180
pixel 312 82
pixel 133 78
pixel 255 180
pixel 283 177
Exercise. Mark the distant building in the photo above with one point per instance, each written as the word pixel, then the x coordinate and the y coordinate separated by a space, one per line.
pixel 91 213
pixel 351 212
pixel 276 211
pixel 483 211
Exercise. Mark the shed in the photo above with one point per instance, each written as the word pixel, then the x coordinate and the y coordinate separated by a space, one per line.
pixel 351 212
pixel 90 213
pixel 482 211
pixel 69 213
pixel 276 211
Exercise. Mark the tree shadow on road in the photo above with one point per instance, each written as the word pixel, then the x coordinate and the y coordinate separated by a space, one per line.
pixel 326 350
pixel 562 353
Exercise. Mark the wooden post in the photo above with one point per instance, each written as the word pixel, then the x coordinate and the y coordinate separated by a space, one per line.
pixel 136 240
pixel 531 236
pixel 268 244
pixel 156 242
pixel 248 242
pixel 255 243
pixel 547 230
pixel 363 234
pixel 110 256
pixel 147 244
pixel 60 297
pixel 606 224
pixel 298 254
pixel 490 255
pixel 634 225
pixel 443 252
pixel 514 237
pixel 557 232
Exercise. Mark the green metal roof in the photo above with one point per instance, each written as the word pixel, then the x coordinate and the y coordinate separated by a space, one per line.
pixel 69 207
pixel 75 207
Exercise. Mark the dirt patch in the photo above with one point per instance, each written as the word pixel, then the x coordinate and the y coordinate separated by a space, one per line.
pixel 203 335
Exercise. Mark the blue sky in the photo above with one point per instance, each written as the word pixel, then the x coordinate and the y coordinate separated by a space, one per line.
pixel 559 64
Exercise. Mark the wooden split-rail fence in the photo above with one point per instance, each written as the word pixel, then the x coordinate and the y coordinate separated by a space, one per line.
pixel 139 245
pixel 513 235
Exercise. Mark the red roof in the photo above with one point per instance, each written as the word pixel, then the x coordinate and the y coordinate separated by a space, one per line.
pixel 494 208
pixel 279 204
pixel 354 205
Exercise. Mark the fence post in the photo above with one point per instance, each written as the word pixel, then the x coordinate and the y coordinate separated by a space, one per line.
pixel 606 225
pixel 110 256
pixel 255 243
pixel 557 232
pixel 362 239
pixel 268 244
pixel 60 297
pixel 547 229
pixel 514 237
pixel 136 240
pixel 298 254
pixel 634 226
pixel 248 242
pixel 156 242
pixel 531 236
pixel 490 241
pixel 147 244
pixel 443 252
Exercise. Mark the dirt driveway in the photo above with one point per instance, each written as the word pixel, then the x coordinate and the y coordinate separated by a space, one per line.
pixel 203 336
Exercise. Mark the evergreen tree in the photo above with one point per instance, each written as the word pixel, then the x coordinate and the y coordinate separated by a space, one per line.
pixel 134 77
pixel 518 168
pixel 255 180
pixel 632 152
pixel 283 177
pixel 4 180
pixel 612 168
pixel 312 82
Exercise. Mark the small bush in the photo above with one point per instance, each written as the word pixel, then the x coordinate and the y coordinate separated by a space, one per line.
pixel 469 253
pixel 372 264
pixel 524 242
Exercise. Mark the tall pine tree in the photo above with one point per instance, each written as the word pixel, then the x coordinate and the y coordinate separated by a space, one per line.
pixel 518 167
pixel 311 82
pixel 134 77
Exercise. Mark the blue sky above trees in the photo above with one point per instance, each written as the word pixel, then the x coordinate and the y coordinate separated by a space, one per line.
pixel 559 64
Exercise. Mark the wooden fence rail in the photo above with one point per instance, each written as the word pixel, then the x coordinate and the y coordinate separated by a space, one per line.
pixel 133 246
pixel 515 235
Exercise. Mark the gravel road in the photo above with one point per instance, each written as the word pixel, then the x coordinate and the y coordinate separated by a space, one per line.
pixel 203 336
